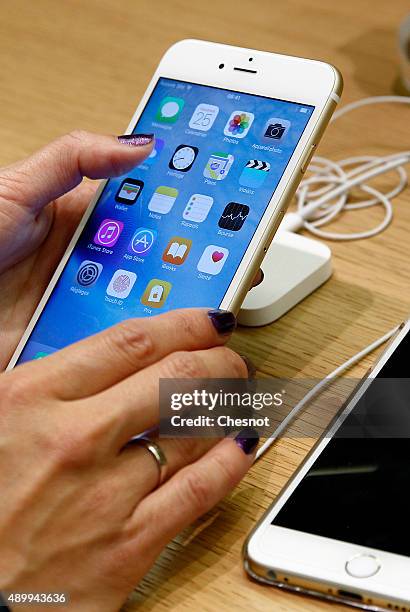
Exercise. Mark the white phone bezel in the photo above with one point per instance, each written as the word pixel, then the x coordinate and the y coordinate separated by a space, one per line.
pixel 322 560
pixel 283 77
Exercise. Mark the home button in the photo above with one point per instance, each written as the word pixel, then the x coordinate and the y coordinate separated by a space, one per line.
pixel 362 566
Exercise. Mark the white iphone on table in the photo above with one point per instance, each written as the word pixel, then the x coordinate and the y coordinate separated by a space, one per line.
pixel 340 529
pixel 189 227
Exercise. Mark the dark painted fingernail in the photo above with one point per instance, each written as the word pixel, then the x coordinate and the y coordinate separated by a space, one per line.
pixel 136 140
pixel 223 321
pixel 247 440
pixel 249 365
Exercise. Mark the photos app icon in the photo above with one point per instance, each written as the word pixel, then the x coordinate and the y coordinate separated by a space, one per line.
pixel 239 124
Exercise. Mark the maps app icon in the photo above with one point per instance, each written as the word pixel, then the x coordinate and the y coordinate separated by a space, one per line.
pixel 218 166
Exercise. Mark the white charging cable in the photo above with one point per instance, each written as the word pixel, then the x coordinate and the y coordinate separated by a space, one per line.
pixel 325 194
pixel 318 388
pixel 318 206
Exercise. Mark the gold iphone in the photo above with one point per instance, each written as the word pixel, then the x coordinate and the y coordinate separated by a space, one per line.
pixel 235 129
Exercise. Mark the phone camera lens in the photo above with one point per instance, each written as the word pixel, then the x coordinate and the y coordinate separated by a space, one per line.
pixel 221 66
pixel 251 59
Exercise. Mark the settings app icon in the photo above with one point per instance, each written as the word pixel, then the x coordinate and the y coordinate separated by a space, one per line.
pixel 88 273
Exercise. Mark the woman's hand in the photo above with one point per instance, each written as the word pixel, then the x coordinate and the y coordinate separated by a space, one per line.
pixel 37 220
pixel 42 200
pixel 82 513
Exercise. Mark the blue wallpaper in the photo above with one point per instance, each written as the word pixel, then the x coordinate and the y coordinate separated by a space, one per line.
pixel 172 232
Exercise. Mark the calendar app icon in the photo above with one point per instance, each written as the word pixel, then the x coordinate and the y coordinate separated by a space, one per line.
pixel 204 117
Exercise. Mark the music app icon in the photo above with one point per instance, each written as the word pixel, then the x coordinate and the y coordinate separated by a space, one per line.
pixel 108 232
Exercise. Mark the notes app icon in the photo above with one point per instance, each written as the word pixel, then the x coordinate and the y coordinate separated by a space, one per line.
pixel 163 199
pixel 108 232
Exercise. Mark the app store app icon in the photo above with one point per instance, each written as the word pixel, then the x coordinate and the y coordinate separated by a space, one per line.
pixel 142 241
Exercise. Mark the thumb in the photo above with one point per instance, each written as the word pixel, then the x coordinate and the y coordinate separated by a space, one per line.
pixel 61 165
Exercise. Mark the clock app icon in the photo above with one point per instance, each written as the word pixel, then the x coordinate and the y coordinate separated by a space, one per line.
pixel 183 158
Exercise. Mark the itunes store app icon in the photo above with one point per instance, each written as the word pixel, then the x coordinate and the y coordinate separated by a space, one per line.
pixel 212 259
pixel 108 232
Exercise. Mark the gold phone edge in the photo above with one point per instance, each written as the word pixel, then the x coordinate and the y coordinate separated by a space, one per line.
pixel 287 195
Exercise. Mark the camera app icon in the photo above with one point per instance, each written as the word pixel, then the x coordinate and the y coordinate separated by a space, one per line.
pixel 275 128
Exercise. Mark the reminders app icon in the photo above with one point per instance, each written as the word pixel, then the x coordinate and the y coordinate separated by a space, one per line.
pixel 197 208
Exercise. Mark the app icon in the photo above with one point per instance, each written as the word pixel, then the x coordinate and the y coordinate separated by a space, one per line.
pixel 156 293
pixel 163 199
pixel 239 124
pixel 198 208
pixel 155 153
pixel 177 250
pixel 169 109
pixel 204 117
pixel 183 158
pixel 212 259
pixel 88 273
pixel 121 283
pixel 218 166
pixel 129 191
pixel 275 128
pixel 142 241
pixel 108 232
pixel 254 173
pixel 233 217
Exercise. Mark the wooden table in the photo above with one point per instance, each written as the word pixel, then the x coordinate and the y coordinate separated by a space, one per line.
pixel 71 64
